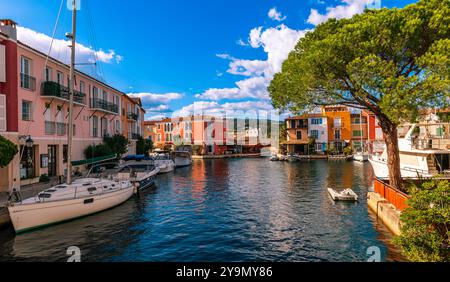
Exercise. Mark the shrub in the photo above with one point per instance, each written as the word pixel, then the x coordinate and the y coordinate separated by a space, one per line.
pixel 44 178
pixel 426 223
pixel 7 151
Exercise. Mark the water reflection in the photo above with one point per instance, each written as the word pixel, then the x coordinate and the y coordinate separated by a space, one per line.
pixel 224 210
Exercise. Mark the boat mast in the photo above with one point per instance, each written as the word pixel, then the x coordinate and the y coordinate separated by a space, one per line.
pixel 71 92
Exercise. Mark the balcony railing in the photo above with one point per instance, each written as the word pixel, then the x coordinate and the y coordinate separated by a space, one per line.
pixel 101 104
pixel 132 116
pixel 54 89
pixel 27 82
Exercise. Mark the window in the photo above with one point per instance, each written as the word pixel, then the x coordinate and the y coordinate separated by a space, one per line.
pixel 337 122
pixel 94 92
pixel 25 66
pixel 357 133
pixel 48 74
pixel 26 80
pixel 337 134
pixel 26 110
pixel 314 134
pixel 60 78
pixel 65 153
pixel 292 123
pixel 2 112
pixel 81 86
pixel 118 126
pixel 159 136
pixel 105 95
pixel 316 121
pixel 94 126
pixel 299 135
pixel 359 120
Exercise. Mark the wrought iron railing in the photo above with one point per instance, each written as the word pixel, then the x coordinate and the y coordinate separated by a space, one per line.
pixel 54 89
pixel 104 105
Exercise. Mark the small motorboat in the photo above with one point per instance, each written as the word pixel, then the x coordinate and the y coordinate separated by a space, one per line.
pixel 346 195
pixel 140 173
pixel 164 162
pixel 274 159
pixel 182 158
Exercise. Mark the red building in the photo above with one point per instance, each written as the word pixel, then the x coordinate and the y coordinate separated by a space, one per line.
pixel 375 133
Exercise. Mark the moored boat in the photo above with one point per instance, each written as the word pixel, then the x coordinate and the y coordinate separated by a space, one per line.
pixel 65 202
pixel 141 173
pixel 424 152
pixel 182 158
pixel 345 195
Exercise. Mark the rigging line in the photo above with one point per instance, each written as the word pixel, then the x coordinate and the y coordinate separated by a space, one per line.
pixel 46 61
pixel 91 33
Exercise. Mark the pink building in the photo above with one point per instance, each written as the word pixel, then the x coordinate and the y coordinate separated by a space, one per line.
pixel 36 99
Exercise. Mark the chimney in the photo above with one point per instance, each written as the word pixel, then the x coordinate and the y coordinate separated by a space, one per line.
pixel 8 27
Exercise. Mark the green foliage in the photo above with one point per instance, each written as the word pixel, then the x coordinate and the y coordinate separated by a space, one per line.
pixel 116 144
pixel 426 223
pixel 7 151
pixel 391 61
pixel 143 146
pixel 348 150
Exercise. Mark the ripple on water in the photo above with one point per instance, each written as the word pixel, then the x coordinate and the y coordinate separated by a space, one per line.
pixel 224 210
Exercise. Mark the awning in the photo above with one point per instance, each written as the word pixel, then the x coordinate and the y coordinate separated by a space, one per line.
pixel 94 160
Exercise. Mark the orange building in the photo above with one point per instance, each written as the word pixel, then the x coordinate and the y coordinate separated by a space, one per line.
pixel 339 126
pixel 150 130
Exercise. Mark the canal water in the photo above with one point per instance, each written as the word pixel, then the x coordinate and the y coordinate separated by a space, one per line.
pixel 224 210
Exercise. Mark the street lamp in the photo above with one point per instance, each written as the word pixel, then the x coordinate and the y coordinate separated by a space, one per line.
pixel 29 142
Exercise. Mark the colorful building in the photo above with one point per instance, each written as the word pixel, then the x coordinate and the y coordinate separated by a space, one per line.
pixel 339 129
pixel 375 139
pixel 359 131
pixel 297 135
pixel 34 102
pixel 150 130
pixel 318 131
pixel 132 117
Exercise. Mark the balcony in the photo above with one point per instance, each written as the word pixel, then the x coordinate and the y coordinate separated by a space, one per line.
pixel 103 105
pixel 55 90
pixel 27 82
pixel 132 116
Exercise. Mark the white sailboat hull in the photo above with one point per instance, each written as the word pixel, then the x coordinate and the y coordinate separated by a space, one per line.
pixel 26 217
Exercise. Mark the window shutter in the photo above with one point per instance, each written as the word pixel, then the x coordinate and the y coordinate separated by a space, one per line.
pixel 2 112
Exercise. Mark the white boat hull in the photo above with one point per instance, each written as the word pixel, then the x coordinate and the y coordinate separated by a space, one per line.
pixel 182 161
pixel 361 157
pixel 381 170
pixel 25 217
pixel 165 166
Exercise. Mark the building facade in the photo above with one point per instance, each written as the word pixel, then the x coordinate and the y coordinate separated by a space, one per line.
pixel 36 97
pixel 339 129
pixel 297 135
pixel 318 131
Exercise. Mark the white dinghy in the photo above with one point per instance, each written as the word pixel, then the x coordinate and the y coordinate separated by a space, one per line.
pixel 346 195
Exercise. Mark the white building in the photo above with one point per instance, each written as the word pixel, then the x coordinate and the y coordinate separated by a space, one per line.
pixel 318 129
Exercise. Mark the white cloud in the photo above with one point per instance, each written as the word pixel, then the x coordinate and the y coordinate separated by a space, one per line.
pixel 348 9
pixel 277 43
pixel 226 109
pixel 156 99
pixel 60 49
pixel 276 15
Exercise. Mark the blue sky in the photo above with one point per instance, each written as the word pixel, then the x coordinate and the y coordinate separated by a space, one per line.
pixel 173 53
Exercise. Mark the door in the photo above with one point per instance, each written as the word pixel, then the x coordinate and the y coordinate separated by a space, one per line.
pixel 52 160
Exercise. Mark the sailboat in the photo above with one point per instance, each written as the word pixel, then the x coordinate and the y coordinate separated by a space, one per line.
pixel 74 199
